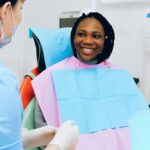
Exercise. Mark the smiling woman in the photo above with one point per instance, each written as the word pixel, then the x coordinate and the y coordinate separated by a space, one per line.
pixel 88 89
pixel 89 39
pixel 92 38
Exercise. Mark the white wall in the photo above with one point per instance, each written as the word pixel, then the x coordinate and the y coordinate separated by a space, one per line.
pixel 128 22
pixel 126 18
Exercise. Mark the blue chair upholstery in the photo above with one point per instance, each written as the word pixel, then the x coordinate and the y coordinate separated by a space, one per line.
pixel 52 45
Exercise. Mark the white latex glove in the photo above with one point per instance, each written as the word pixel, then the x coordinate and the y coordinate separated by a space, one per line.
pixel 38 137
pixel 67 136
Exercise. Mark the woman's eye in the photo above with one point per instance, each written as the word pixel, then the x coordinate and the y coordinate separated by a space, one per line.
pixel 81 34
pixel 97 36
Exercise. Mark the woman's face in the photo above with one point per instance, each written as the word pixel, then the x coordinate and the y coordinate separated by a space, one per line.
pixel 89 39
pixel 12 18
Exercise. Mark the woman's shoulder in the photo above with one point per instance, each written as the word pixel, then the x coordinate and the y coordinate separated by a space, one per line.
pixel 10 111
pixel 108 64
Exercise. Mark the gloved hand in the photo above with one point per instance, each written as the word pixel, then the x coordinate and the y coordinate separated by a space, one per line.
pixel 67 136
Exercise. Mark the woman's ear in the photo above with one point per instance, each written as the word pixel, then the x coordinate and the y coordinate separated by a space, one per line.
pixel 3 11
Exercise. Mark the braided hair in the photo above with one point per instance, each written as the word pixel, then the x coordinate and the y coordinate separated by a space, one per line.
pixel 108 30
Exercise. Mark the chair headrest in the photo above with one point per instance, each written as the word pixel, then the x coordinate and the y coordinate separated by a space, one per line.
pixel 52 45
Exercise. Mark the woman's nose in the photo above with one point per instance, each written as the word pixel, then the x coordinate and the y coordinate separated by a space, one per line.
pixel 88 40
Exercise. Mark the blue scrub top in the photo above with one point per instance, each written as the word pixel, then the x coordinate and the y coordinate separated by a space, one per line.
pixel 10 111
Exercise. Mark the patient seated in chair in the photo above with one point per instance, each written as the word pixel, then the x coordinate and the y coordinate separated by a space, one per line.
pixel 88 89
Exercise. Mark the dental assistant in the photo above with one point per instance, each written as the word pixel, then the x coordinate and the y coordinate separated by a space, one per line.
pixel 12 135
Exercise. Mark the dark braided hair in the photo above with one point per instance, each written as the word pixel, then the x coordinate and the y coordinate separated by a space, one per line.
pixel 108 30
pixel 13 2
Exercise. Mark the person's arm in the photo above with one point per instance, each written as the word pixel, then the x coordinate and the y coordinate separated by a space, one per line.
pixel 38 137
pixel 39 117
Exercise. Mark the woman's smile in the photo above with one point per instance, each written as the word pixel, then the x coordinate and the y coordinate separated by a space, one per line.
pixel 89 39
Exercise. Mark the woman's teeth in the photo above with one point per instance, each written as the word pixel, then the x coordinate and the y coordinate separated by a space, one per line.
pixel 88 51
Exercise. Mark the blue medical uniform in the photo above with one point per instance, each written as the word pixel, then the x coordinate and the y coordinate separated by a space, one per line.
pixel 10 111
